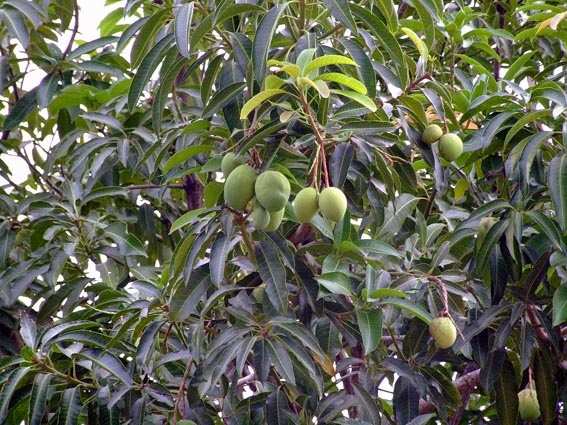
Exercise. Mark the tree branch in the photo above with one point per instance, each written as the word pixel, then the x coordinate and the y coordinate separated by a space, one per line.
pixel 75 30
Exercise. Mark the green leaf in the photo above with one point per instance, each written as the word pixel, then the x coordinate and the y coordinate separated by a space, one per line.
pixel 38 398
pixel 185 299
pixel 385 293
pixel 30 10
pixel 147 68
pixel 357 97
pixel 211 74
pixel 370 326
pixel 282 361
pixel 23 107
pixel 327 60
pixel 147 35
pixel 560 305
pixel 341 11
pixel 406 400
pixel 506 395
pixel 545 373
pixel 146 345
pixel 16 25
pixel 188 218
pixel 183 17
pixel 388 41
pixel 104 192
pixel 419 44
pixel 129 33
pixel 230 10
pixel 90 46
pixel 182 156
pixel 110 363
pixel 222 98
pixel 490 240
pixel 219 252
pixel 548 227
pixel 364 69
pixel 15 379
pixel 71 407
pixel 272 272
pixel 263 40
pixel 345 80
pixel 336 283
pixel 105 119
pixel 486 210
pixel 257 100
pixel 414 309
pixel 557 181
pixel 166 82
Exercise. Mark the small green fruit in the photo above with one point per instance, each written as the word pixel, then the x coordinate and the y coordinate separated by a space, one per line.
pixel 272 190
pixel 333 203
pixel 306 204
pixel 431 134
pixel 443 332
pixel 229 162
pixel 275 220
pixel 239 187
pixel 260 217
pixel 450 146
pixel 528 405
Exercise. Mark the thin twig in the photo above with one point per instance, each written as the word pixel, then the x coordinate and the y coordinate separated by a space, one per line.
pixel 153 186
pixel 75 30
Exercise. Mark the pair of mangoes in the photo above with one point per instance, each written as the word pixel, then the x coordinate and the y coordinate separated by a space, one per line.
pixel 269 192
pixel 450 145
pixel 331 202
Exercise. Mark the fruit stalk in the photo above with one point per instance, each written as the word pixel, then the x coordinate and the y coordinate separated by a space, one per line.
pixel 320 156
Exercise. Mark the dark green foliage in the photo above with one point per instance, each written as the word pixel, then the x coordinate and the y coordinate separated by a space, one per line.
pixel 135 289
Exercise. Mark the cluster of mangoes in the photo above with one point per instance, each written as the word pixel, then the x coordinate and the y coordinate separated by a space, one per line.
pixel 268 192
pixel 331 202
pixel 450 145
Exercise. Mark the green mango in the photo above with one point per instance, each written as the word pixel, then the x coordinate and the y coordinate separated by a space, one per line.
pixel 528 405
pixel 431 134
pixel 443 331
pixel 229 162
pixel 333 204
pixel 306 204
pixel 450 146
pixel 260 217
pixel 272 190
pixel 275 220
pixel 239 187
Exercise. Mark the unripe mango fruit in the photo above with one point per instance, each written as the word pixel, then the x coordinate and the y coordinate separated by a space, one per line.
pixel 239 187
pixel 306 204
pixel 260 217
pixel 431 134
pixel 275 220
pixel 229 162
pixel 333 203
pixel 272 190
pixel 443 332
pixel 528 405
pixel 450 146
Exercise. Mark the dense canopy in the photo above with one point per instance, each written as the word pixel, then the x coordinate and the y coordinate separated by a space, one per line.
pixel 156 267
